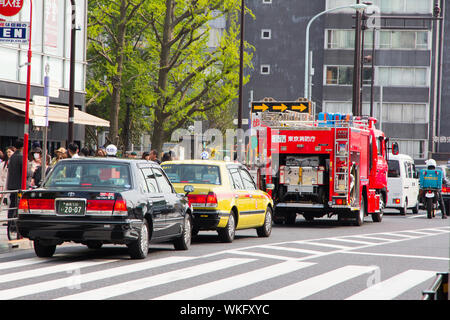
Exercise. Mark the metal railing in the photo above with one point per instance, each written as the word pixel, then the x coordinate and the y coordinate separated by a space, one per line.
pixel 439 289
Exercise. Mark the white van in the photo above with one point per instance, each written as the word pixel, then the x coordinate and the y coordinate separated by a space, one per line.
pixel 403 183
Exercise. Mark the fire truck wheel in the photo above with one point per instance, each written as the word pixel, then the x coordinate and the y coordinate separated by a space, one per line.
pixel 359 219
pixel 378 216
pixel 291 217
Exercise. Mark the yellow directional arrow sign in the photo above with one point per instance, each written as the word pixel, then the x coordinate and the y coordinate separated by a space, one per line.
pixel 262 107
pixel 300 108
pixel 281 108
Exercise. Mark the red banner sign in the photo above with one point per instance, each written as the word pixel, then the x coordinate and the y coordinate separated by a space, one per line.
pixel 10 8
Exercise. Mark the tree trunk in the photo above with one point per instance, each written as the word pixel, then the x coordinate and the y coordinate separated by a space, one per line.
pixel 117 79
pixel 157 136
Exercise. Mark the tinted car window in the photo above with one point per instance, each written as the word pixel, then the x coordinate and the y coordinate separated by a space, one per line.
pixel 163 183
pixel 193 173
pixel 150 179
pixel 394 169
pixel 89 174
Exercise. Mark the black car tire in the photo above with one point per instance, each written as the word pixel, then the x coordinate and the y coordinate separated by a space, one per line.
pixel 227 234
pixel 405 207
pixel 415 210
pixel 42 250
pixel 138 249
pixel 266 229
pixel 94 244
pixel 184 241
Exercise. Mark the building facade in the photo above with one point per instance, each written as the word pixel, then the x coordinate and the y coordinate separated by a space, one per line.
pixel 404 59
pixel 51 47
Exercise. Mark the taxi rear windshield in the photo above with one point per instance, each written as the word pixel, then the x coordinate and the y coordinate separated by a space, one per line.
pixel 193 173
pixel 89 175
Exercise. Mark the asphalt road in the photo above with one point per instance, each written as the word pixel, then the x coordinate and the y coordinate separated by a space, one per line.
pixel 392 260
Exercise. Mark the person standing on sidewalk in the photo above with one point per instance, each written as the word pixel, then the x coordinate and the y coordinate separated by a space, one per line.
pixel 14 179
pixel 4 173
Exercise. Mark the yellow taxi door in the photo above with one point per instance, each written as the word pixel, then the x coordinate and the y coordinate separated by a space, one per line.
pixel 256 213
pixel 242 198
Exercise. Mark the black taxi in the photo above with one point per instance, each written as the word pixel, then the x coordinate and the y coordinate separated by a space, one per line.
pixel 95 201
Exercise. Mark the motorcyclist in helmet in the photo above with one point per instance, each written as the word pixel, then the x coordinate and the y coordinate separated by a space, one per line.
pixel 431 165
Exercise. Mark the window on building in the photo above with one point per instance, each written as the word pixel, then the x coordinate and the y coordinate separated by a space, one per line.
pixel 402 76
pixel 404 40
pixel 405 113
pixel 345 39
pixel 389 6
pixel 266 34
pixel 343 75
pixel 415 148
pixel 265 69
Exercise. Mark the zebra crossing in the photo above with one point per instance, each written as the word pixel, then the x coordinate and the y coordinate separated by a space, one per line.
pixel 264 268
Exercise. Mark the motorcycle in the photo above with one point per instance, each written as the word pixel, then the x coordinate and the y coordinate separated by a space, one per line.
pixel 431 202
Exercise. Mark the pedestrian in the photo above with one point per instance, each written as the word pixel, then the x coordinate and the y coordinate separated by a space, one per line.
pixel 133 155
pixel 4 172
pixel 61 153
pixel 37 175
pixel 14 178
pixel 146 156
pixel 154 156
pixel 166 157
pixel 36 155
pixel 84 152
pixel 72 150
pixel 100 153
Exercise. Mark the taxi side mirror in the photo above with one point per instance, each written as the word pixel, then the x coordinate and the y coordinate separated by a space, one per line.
pixel 188 189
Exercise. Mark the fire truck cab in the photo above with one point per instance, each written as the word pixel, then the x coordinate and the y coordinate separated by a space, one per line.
pixel 335 165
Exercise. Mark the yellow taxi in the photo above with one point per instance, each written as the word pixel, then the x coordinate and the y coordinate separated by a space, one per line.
pixel 225 197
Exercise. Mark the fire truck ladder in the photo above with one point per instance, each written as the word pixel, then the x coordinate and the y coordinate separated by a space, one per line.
pixel 341 158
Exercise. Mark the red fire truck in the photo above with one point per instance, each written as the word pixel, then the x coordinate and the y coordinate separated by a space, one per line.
pixel 335 165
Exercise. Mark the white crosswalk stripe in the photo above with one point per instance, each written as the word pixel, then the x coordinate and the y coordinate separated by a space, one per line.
pixel 64 267
pixel 148 282
pixel 316 284
pixel 393 287
pixel 27 262
pixel 89 277
pixel 235 282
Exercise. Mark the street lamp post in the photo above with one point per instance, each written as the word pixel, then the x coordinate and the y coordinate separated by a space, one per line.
pixel 359 7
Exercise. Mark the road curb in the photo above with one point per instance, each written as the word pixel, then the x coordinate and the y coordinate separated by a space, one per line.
pixel 22 244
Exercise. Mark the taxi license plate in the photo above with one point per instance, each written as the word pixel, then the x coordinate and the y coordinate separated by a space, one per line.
pixel 71 207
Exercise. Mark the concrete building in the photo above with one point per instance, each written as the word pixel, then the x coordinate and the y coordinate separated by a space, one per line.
pixel 404 65
pixel 51 44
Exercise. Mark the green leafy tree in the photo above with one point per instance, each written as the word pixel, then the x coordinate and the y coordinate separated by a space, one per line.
pixel 156 52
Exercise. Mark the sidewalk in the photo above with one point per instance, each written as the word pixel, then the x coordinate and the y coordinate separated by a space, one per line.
pixel 5 244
